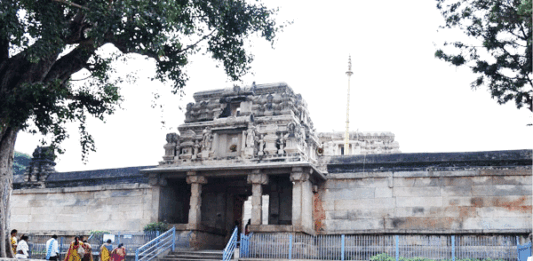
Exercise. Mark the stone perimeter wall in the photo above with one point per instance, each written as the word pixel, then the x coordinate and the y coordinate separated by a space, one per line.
pixel 482 200
pixel 121 207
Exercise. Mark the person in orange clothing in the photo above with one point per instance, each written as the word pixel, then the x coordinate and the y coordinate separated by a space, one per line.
pixel 119 253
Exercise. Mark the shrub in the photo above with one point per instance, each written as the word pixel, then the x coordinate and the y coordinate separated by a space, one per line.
pixel 156 226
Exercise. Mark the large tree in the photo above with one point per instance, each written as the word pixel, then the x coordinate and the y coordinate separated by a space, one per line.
pixel 497 48
pixel 44 42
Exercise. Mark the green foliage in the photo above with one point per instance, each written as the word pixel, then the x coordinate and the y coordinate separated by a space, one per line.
pixel 99 232
pixel 44 42
pixel 156 226
pixel 20 162
pixel 499 48
pixel 382 257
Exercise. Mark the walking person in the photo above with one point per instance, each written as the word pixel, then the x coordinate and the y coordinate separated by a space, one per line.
pixel 23 251
pixel 13 240
pixel 88 251
pixel 119 253
pixel 247 227
pixel 105 251
pixel 75 250
pixel 52 249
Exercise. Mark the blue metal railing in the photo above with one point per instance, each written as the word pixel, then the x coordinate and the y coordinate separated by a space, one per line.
pixel 244 249
pixel 524 251
pixel 232 244
pixel 380 247
pixel 157 246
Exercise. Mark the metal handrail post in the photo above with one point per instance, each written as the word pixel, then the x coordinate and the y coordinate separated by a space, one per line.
pixel 517 250
pixel 453 247
pixel 290 246
pixel 342 247
pixel 173 239
pixel 397 248
pixel 230 247
pixel 137 254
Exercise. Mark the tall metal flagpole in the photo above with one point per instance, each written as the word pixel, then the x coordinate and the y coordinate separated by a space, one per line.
pixel 347 133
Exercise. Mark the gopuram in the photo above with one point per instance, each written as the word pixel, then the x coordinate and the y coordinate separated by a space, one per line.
pixel 256 141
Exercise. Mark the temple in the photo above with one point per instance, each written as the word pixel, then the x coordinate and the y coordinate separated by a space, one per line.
pixel 259 143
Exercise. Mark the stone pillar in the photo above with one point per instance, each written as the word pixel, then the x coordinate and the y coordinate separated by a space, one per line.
pixel 156 182
pixel 257 180
pixel 302 200
pixel 195 212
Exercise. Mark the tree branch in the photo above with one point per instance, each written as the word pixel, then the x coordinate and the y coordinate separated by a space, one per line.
pixel 72 62
pixel 197 42
pixel 71 4
pixel 524 33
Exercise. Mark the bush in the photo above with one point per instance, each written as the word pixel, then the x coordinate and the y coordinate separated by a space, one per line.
pixel 382 257
pixel 156 226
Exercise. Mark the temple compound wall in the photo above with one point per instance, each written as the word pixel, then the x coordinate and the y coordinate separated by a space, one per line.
pixel 73 202
pixel 259 142
pixel 438 193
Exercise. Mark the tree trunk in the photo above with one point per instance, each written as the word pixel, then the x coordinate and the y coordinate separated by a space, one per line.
pixel 8 136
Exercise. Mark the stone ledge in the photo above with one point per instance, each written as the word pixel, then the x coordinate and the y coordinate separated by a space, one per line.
pixel 201 228
pixel 81 189
pixel 472 172
pixel 280 229
pixel 428 161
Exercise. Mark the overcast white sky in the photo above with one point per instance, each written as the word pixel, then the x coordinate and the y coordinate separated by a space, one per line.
pixel 397 86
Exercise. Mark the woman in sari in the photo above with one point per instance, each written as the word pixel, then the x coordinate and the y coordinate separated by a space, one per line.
pixel 119 253
pixel 72 254
pixel 88 256
pixel 105 251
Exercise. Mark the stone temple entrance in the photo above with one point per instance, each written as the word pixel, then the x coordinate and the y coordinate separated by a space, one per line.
pixel 211 204
pixel 237 144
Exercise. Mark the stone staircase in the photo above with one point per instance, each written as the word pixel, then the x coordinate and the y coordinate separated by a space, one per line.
pixel 193 255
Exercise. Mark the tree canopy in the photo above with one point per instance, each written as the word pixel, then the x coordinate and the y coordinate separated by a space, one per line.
pixel 44 42
pixel 20 162
pixel 499 45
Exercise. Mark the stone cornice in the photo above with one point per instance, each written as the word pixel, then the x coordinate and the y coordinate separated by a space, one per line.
pixel 81 189
pixel 428 161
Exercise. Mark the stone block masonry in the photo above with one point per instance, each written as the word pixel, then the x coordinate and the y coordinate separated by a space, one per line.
pixel 118 207
pixel 475 196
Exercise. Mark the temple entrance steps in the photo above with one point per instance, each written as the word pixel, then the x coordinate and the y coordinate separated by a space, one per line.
pixel 192 255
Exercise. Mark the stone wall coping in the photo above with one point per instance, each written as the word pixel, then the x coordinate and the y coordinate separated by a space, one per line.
pixel 434 157
pixel 473 172
pixel 81 189
pixel 428 161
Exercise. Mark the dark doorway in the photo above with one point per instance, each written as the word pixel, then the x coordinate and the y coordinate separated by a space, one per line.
pixel 174 202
